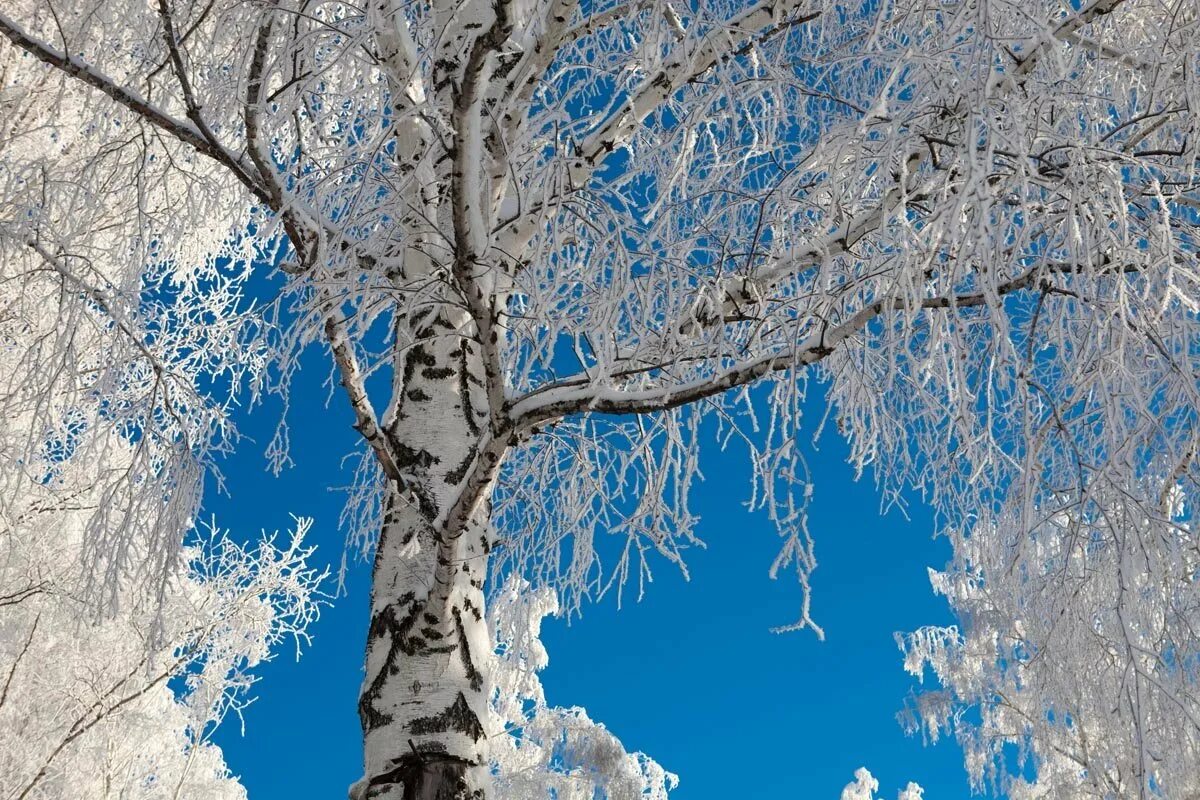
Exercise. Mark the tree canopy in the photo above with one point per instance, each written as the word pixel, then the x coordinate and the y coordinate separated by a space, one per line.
pixel 549 245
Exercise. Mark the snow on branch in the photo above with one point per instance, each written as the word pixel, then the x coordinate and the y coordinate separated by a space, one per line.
pixel 687 62
pixel 185 131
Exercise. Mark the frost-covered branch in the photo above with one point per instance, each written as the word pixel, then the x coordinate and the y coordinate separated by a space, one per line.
pixel 865 786
pixel 352 380
pixel 685 64
pixel 120 647
pixel 542 751
pixel 556 401
pixel 185 131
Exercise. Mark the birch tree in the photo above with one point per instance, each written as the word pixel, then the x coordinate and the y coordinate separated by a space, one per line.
pixel 125 706
pixel 549 245
pixel 117 661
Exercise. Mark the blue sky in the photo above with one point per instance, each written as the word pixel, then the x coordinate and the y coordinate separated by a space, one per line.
pixel 691 675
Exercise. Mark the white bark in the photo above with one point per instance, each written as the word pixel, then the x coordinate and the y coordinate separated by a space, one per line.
pixel 424 700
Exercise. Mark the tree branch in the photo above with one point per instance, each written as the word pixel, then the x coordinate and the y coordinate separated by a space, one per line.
pixel 365 421
pixel 17 661
pixel 684 65
pixel 252 107
pixel 582 396
pixel 840 241
pixel 603 19
pixel 184 131
pixel 1065 31
pixel 469 203
pixel 524 77
pixel 260 154
pixel 472 492
pixel 106 304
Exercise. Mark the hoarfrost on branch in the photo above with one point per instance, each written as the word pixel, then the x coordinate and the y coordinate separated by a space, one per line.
pixel 549 246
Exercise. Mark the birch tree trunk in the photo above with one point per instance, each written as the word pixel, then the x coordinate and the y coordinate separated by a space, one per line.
pixel 423 701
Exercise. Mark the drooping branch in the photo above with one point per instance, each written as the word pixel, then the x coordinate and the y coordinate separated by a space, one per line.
pixel 257 175
pixel 841 240
pixel 107 304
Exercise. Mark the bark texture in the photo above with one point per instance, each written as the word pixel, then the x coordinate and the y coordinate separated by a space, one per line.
pixel 423 701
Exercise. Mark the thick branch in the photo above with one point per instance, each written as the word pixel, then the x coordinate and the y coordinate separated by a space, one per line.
pixel 562 401
pixel 470 203
pixel 532 66
pixel 577 397
pixel 603 19
pixel 252 108
pixel 472 493
pixel 1065 31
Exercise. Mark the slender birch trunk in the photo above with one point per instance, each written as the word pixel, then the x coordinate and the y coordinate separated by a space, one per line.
pixel 423 703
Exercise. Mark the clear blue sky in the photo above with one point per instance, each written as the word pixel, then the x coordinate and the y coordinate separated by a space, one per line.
pixel 690 675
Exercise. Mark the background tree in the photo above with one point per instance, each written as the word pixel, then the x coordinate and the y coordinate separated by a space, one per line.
pixel 116 661
pixel 865 786
pixel 542 241
pixel 124 707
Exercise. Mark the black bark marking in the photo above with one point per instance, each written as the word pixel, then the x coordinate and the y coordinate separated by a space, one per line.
pixel 458 718
pixel 402 641
pixel 427 773
pixel 455 476
pixel 416 460
pixel 475 612
pixel 414 457
pixel 383 623
pixel 464 651
pixel 410 358
pixel 437 373
pixel 464 391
